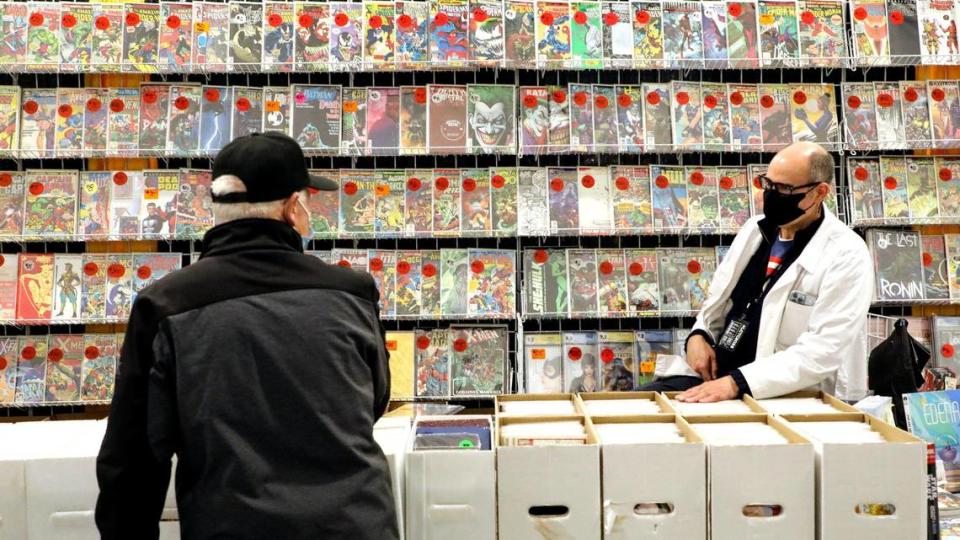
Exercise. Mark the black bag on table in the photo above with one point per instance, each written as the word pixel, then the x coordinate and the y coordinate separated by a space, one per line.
pixel 896 368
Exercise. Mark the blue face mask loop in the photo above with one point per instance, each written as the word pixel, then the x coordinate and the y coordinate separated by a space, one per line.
pixel 306 239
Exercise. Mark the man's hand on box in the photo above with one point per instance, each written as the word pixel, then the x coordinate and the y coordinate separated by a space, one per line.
pixel 702 358
pixel 720 389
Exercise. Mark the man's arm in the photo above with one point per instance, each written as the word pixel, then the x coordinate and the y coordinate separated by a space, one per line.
pixel 839 315
pixel 133 483
pixel 380 363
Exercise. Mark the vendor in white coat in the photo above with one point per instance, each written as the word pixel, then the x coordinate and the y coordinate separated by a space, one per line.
pixel 787 308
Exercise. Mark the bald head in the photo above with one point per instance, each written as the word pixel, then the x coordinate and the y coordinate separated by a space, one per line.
pixel 800 164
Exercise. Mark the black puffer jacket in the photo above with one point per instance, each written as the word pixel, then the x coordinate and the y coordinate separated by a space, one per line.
pixel 263 370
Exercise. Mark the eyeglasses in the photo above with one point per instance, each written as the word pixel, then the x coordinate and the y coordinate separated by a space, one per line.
pixel 785 189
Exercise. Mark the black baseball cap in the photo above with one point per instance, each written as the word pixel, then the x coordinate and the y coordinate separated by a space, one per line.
pixel 271 165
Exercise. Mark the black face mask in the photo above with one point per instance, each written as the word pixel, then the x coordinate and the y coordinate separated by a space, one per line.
pixel 783 209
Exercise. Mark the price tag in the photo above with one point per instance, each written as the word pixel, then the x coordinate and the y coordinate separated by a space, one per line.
pixel 767 19
pixel 391 345
pixel 648 367
pixel 151 194
pixel 538 354
pixel 272 106
pixel 202 27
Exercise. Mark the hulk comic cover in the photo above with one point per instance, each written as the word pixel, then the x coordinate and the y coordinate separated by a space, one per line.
pixel 211 37
pixel 814 115
pixel 743 43
pixel 119 286
pixel 564 202
pixel 503 201
pixel 247 110
pixel 126 191
pixel 534 120
pixel 390 195
pixel 543 357
pixel 658 125
pixel 533 214
pixel 43 39
pixel 106 41
pixel 454 279
pixel 552 34
pixel 863 175
pixel 13 28
pixel 687 116
pixel 183 118
pixel 715 53
pixel 278 36
pixel 194 204
pixel 491 119
pixel 448 28
pixel 141 38
pixel 559 120
pixel 582 282
pixel 605 122
pixel 76 31
pixel 94 210
pixel 357 204
pixel 154 110
pixel 418 203
pixel 775 116
pixel 611 283
pixel 9 351
pixel 311 47
pixel 630 118
pixel 316 117
pixel 9 118
pixel 896 202
pixel 446 202
pixel 669 189
pixel 51 204
pixel 413 43
pixel 99 367
pixel 246 37
pixel 64 359
pixel 519 34
pixel 643 287
pixel 66 287
pixel 618 38
pixel 379 35
pixel 703 204
pixel 944 98
pixel 176 37
pixel 432 363
pixel 409 279
pixel 382 265
pixel 31 370
pixel 325 206
pixel 38 124
pixel 12 194
pixel 618 354
pixel 682 35
pixel 476 203
pixel 593 196
pixel 158 210
pixel 890 132
pixel 716 117
pixel 581 118
pixel 68 135
pixel 491 288
pixel 447 119
pixel 545 283
pixel 478 360
pixel 123 120
pixel 383 121
pixel 859 116
pixel 916 114
pixel 586 35
pixel 277 109
pixel 734 199
pixel 581 362
pixel 779 39
pixel 630 199
pixel 35 288
pixel 94 122
pixel 430 290
pixel 745 131
pixel 413 120
pixel 486 33
pixel 648 35
pixel 922 189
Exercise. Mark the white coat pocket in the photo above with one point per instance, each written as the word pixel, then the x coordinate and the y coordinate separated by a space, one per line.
pixel 796 319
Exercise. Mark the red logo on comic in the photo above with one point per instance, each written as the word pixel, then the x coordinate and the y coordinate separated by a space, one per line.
pixel 6 179
pixel 860 13
pixel 441 19
pixel 556 184
pixel 766 102
pixel 133 19
pixel 890 182
pixel 150 96
pixel 36 188
pixel 36 19
pixel 423 342
pixel 477 267
pixel 683 98
pixel 28 353
pixel 624 100
pixel 610 18
pixel 116 271
pixel 546 18
pixel 938 94
pixel 896 18
pixel 405 22
pixel 350 188
pixel 275 19
pixel 601 101
pixel 910 95
pixel 403 268
pixel 559 96
pixel 927 259
pixel 68 21
pixel 885 100
pixel 479 15
pixel 799 97
pixel 606 268
pixel 580 17
pixel 694 267
pixel 93 105
pixel 469 184
pixel 808 18
pixel 65 111
pixel 343 263
pixel 305 20
pixel 736 98
pixel 530 101
pixel 420 96
pixel 606 355
pixel 376 264
pixel 710 101
pixel 120 178
pixel 341 19
pixel 643 17
pixel 662 182
pixel 653 98
pixel 102 23
pixel 459 344
pixel 735 10
pixel 243 104
pixel 181 103
pixel 375 22
pixel 853 102
pixel 946 351
pixel 946 174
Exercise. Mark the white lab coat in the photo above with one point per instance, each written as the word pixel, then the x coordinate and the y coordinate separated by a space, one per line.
pixel 818 346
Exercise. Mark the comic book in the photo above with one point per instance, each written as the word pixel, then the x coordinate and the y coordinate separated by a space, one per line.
pixel 357 260
pixel 657 117
pixel 76 31
pixel 779 46
pixel 211 48
pixel 922 190
pixel 605 121
pixel 685 276
pixel 13 28
pixel 669 189
pixel 581 118
pixel 158 211
pixel 687 116
pixel 9 268
pixel 400 348
pixel 409 278
pixel 9 118
pixel 542 353
pixel 890 132
pixel 896 203
pixel 315 117
pixel 648 35
pixel 871 37
pixel 904 32
pixel 898 264
pixel 279 35
pixel 534 120
pixel 276 109
pixel 38 124
pixel 948 171
pixel 66 287
pixel 35 288
pixel 866 196
pixel 446 119
pixel 938 31
pixel 715 13
pixel 953 265
pixel 413 120
pixel 745 127
pixel 814 115
pixel 176 37
pixel 51 204
pixel 582 282
pixel 586 35
pixel 486 33
pixel 8 369
pixel 734 199
pixel 581 362
pixel 822 33
pixel 545 283
pixel 379 35
pixel 630 118
pixel 123 122
pixel 154 109
pixel 419 202
pixel 449 45
pixel 703 205
pixel 475 202
pixel 611 283
pixel 944 98
pixel 643 287
pixel 432 362
pixel 430 297
pixel 618 357
pixel 357 203
pixel 99 367
pixel 382 265
pixel 106 42
pixel 553 34
pixel 390 200
pixel 194 204
pixel 518 32
pixel 775 117
pixel 43 39
pixel 31 370
pixel 11 204
pixel 246 37
pixel 716 117
pixel 742 35
pixel 491 119
pixel 247 111
pixel 141 38
pixel 446 202
pixel 934 261
pixel 478 360
pixel 558 108
pixel 383 121
pixel 68 136
pixel 651 345
pixel 533 205
pixel 618 37
pixel 94 210
pixel 346 36
pixel 916 114
pixel 148 268
pixel 595 214
pixel 491 288
pixel 94 121
pixel 325 206
pixel 630 200
pixel 503 201
pixel 682 34
pixel 413 44
pixel 183 133
pixel 126 192
pixel 859 116
pixel 564 205
pixel 312 44
pixel 754 171
pixel 119 286
pixel 454 279
pixel 215 119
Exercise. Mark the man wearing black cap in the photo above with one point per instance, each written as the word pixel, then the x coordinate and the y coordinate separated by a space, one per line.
pixel 261 368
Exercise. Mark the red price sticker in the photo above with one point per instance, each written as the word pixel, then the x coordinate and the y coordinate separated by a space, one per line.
pixel 736 98
pixel 429 270
pixel 441 184
pixel 350 188
pixel 117 105
pixel 588 181
pixel 636 269
pixel 622 183
pixel 91 353
pixel 540 256
pixel 144 272
pixel 414 184
pixel 861 173
pixel 575 354
pixel 601 102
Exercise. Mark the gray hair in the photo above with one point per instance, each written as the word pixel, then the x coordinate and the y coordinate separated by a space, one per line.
pixel 227 212
pixel 821 167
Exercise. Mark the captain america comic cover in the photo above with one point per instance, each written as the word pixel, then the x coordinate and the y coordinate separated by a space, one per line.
pixel 545 283
pixel 563 200
pixel 779 33
pixel 682 34
pixel 586 35
pixel 51 204
pixel 743 36
pixel 413 120
pixel 630 119
pixel 916 114
pixel 716 117
pixel 745 126
pixel 95 122
pixel 94 210
pixel 215 119
pixel 325 206
pixel 703 205
pixel 503 201
pixel 183 134
pixel 479 360
pixel 618 38
pixel 311 48
pixel 68 136
pixel 357 204
pixel 553 34
pixel 430 297
pixel 491 119
pixel 734 199
pixel 643 287
pixel 76 31
pixel 866 197
pixel 533 214
pixel 382 265
pixel 346 36
pixel 896 202
pixel 154 109
pixel 99 368
pixel 418 204
pixel 581 118
pixel 194 204
pixel 519 34
pixel 13 32
pixel 687 116
pixel 176 37
pixel 12 194
pixel 31 370
pixel 43 40
pixel 448 30
pixel 383 121
pixel 715 34
pixel 630 199
pixel 611 283
pixel 822 33
pixel 605 122
pixel 390 200
pixel 246 37
pixel 413 43
pixel 447 206
pixel 379 35
pixel 476 203
pixel 454 268
pixel 648 35
pixel 534 120
pixel 278 36
pixel 277 108
pixel 582 282
pixel 596 214
pixel 486 33
pixel 247 110
pixel 316 117
pixel 432 360
pixel 409 278
pixel 66 287
pixel 669 195
pixel 658 124
pixel 890 131
pixel 859 116
pixel 38 123
pixel 141 38
pixel 106 43
pixel 491 288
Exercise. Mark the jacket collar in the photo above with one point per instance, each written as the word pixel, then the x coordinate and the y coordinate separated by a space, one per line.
pixel 250 234
pixel 812 240
pixel 771 230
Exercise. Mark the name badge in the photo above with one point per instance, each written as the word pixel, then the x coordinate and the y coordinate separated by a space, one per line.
pixel 731 337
